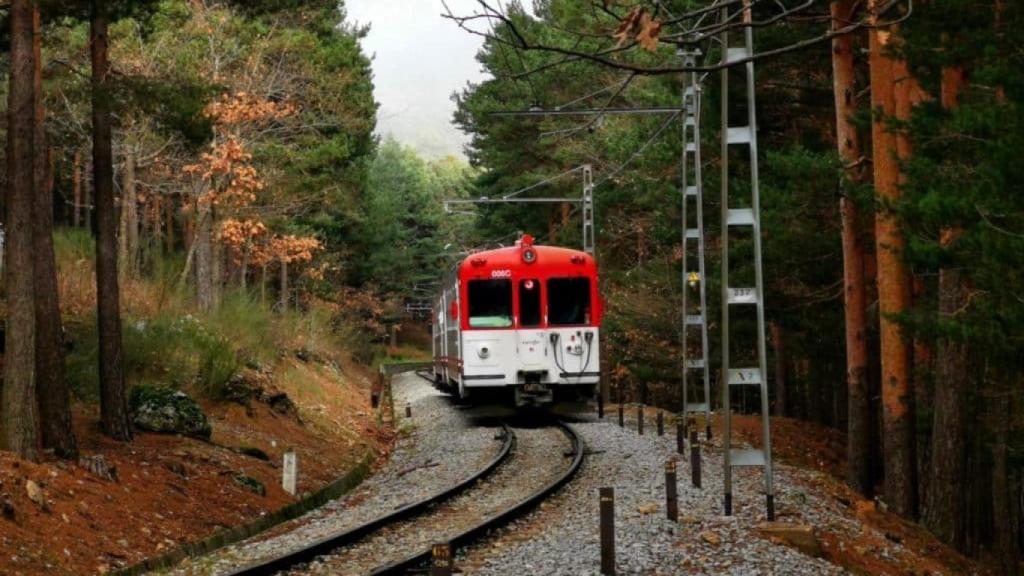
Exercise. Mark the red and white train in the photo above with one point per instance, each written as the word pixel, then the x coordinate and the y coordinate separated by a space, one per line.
pixel 519 323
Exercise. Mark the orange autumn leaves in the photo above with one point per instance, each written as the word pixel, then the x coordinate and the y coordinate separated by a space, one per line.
pixel 231 179
pixel 640 26
pixel 249 240
pixel 245 108
pixel 231 183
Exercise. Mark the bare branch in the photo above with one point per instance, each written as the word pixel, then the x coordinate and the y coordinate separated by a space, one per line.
pixel 607 56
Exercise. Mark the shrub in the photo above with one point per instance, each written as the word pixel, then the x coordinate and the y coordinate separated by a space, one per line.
pixel 179 352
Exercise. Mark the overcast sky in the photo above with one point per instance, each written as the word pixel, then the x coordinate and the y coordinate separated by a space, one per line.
pixel 419 59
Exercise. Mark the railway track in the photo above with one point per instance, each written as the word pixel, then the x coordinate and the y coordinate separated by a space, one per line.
pixel 325 545
pixel 502 517
pixel 532 464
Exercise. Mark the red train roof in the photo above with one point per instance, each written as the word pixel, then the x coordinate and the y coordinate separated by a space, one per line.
pixel 515 261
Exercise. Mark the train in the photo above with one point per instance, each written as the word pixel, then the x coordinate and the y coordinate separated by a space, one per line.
pixel 519 324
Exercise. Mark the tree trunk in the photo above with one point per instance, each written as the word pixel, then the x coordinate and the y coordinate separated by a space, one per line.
pixel 203 248
pixel 216 268
pixel 781 385
pixel 169 233
pixel 283 303
pixel 87 198
pixel 51 385
pixel 122 231
pixel 1006 504
pixel 858 470
pixel 20 425
pixel 113 400
pixel 907 94
pixel 189 231
pixel 924 392
pixel 76 187
pixel 945 514
pixel 893 288
pixel 153 230
pixel 243 273
pixel 130 211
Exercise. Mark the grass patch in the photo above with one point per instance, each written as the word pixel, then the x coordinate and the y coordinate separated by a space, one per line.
pixel 175 351
pixel 167 340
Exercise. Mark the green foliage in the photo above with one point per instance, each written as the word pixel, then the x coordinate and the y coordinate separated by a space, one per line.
pixel 175 351
pixel 73 245
pixel 404 230
pixel 176 105
pixel 966 175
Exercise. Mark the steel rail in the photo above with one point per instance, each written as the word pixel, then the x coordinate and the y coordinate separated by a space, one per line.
pixel 330 543
pixel 509 514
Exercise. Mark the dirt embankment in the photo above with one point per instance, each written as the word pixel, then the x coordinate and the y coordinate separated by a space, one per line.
pixel 60 518
pixel 811 446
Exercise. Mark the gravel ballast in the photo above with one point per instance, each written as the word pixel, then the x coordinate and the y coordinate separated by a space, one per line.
pixel 562 537
pixel 538 457
pixel 438 447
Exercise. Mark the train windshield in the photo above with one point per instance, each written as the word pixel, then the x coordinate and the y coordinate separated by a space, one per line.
pixel 568 301
pixel 529 303
pixel 490 303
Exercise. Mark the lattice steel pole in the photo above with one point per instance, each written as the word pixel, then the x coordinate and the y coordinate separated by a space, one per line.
pixel 740 218
pixel 692 190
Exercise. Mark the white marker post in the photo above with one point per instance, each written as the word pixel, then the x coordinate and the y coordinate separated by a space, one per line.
pixel 291 472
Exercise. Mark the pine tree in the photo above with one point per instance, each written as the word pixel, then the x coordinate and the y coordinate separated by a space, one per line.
pixel 859 404
pixel 113 397
pixel 20 422
pixel 51 385
pixel 893 282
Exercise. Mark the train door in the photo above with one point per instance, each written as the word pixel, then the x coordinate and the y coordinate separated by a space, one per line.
pixel 531 344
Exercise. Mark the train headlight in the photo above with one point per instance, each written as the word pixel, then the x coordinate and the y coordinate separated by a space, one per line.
pixel 529 255
pixel 483 352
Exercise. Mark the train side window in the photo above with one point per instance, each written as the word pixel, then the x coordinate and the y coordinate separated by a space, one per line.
pixel 568 301
pixel 490 303
pixel 529 303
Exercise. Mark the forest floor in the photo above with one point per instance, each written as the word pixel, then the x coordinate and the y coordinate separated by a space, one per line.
pixel 170 489
pixel 823 450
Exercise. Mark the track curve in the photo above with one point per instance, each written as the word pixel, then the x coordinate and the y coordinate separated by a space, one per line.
pixel 325 545
pixel 511 513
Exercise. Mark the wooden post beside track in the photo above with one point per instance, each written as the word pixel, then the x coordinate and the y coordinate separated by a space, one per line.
pixel 607 530
pixel 671 497
pixel 695 456
pixel 680 437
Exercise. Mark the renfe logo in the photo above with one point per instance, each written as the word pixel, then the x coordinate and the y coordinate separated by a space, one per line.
pixel 501 273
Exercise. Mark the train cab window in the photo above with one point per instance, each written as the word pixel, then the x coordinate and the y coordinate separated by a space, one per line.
pixel 529 303
pixel 490 303
pixel 568 301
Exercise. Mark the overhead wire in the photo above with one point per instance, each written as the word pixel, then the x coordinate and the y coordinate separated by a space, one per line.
pixel 541 183
pixel 638 151
pixel 617 170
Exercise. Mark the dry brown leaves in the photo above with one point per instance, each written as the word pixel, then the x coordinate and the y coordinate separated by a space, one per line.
pixel 638 25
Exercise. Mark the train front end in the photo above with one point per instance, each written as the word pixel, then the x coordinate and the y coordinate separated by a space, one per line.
pixel 524 324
